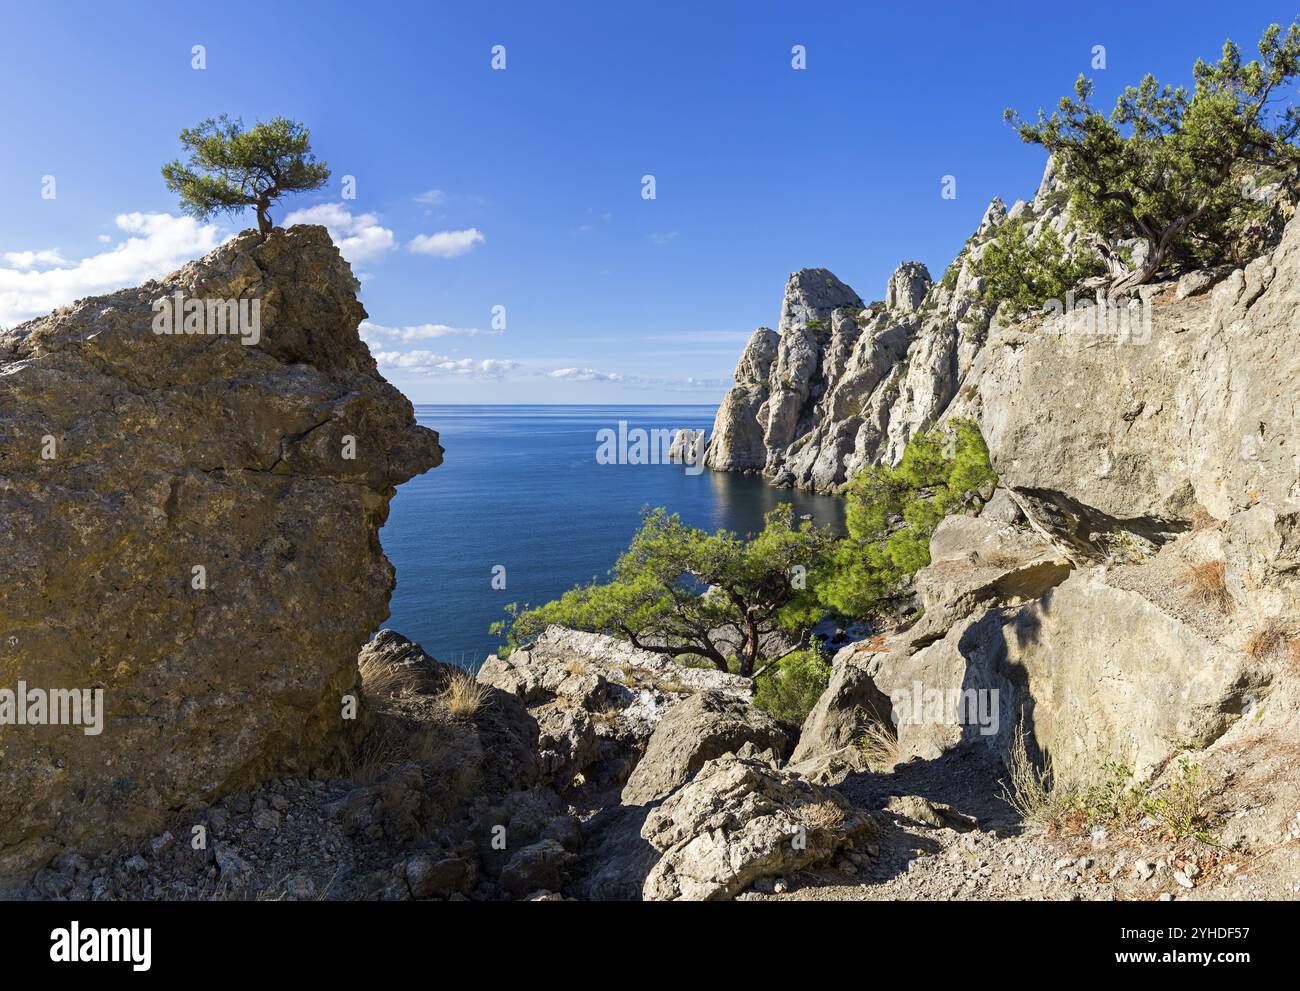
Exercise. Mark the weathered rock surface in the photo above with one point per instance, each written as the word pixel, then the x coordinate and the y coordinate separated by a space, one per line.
pixel 1095 672
pixel 907 287
pixel 737 440
pixel 131 459
pixel 597 700
pixel 977 562
pixel 849 386
pixel 741 819
pixel 702 727
pixel 851 705
pixel 1195 410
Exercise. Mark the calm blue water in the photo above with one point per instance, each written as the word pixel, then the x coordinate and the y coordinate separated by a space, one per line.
pixel 520 486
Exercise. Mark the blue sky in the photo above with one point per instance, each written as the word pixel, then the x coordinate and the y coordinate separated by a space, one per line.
pixel 521 188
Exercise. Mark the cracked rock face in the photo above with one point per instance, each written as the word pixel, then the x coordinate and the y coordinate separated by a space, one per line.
pixel 741 819
pixel 1195 407
pixel 190 524
pixel 737 441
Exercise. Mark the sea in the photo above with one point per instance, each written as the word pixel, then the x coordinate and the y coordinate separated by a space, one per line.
pixel 524 507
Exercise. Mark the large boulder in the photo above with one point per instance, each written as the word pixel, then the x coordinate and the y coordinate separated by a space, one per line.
pixel 1190 408
pixel 849 707
pixel 191 524
pixel 976 562
pixel 1094 672
pixel 697 730
pixel 741 819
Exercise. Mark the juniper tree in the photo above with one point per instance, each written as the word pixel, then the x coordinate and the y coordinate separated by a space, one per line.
pixel 1175 167
pixel 230 169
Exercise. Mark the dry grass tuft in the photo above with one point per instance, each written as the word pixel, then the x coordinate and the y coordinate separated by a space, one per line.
pixel 1207 585
pixel 821 816
pixel 464 697
pixel 381 679
pixel 385 747
pixel 879 746
pixel 1028 788
pixel 1293 652
pixel 1264 641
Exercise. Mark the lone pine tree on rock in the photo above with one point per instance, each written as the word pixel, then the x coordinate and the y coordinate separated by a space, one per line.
pixel 231 168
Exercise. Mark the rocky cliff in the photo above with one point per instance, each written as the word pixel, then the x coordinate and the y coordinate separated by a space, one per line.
pixel 189 523
pixel 1130 597
pixel 841 385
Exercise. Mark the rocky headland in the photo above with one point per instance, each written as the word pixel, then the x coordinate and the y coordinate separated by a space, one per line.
pixel 1129 596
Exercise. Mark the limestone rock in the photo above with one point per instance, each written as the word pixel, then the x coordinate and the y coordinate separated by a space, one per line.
pixel 907 287
pixel 1002 508
pixel 936 815
pixel 704 726
pixel 687 447
pixel 542 865
pixel 810 296
pixel 1191 409
pixel 171 453
pixel 850 705
pixel 597 700
pixel 977 562
pixel 850 386
pixel 737 440
pixel 1096 673
pixel 741 819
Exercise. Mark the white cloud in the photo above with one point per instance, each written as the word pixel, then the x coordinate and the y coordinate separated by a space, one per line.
pixel 688 384
pixel 585 375
pixel 105 239
pixel 665 238
pixel 428 363
pixel 49 258
pixel 359 238
pixel 446 244
pixel 374 332
pixel 159 244
pixel 431 197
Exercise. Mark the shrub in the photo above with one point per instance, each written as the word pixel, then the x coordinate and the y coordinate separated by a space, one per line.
pixel 1181 807
pixel 1024 274
pixel 789 690
pixel 653 599
pixel 891 513
pixel 1113 798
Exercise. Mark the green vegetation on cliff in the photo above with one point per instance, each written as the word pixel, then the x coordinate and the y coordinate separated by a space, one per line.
pixel 892 512
pixel 1174 168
